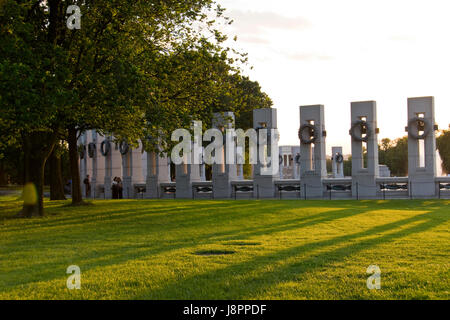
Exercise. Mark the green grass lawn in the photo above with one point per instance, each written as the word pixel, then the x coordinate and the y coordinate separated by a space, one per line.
pixel 138 249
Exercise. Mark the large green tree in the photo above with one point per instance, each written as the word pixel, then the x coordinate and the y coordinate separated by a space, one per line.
pixel 394 154
pixel 134 69
pixel 140 69
pixel 443 145
pixel 58 82
pixel 32 77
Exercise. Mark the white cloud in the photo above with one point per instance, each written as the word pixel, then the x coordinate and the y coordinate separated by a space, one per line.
pixel 256 23
pixel 253 40
pixel 307 56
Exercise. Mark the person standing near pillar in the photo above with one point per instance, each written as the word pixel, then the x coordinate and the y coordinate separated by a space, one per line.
pixel 119 188
pixel 114 189
pixel 87 184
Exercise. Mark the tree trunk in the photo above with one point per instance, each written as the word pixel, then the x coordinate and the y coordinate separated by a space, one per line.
pixel 3 179
pixel 74 166
pixel 37 148
pixel 55 172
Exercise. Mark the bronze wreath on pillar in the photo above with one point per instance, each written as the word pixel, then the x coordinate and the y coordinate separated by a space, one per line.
pixel 421 124
pixel 313 133
pixel 91 150
pixel 280 159
pixel 365 129
pixel 124 148
pixel 297 158
pixel 105 147
pixel 81 151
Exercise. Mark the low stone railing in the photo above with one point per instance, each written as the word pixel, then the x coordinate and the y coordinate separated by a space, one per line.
pixel 243 188
pixel 337 188
pixel 287 188
pixel 167 190
pixel 443 186
pixel 202 190
pixel 393 188
pixel 333 188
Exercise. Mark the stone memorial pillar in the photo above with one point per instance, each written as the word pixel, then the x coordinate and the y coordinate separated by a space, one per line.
pixel 266 171
pixel 202 167
pixel 169 163
pixel 186 173
pixel 157 173
pixel 239 166
pixel 101 170
pixel 116 161
pixel 296 161
pixel 281 162
pixel 137 172
pixel 337 162
pixel 82 152
pixel 313 166
pixel 223 173
pixel 127 169
pixel 106 151
pixel 92 154
pixel 364 133
pixel 421 147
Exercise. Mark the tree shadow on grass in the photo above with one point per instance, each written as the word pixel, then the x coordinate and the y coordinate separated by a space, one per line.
pixel 183 214
pixel 84 215
pixel 122 254
pixel 230 279
pixel 187 219
pixel 188 212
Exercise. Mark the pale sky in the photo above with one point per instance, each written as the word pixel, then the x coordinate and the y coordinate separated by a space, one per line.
pixel 334 52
